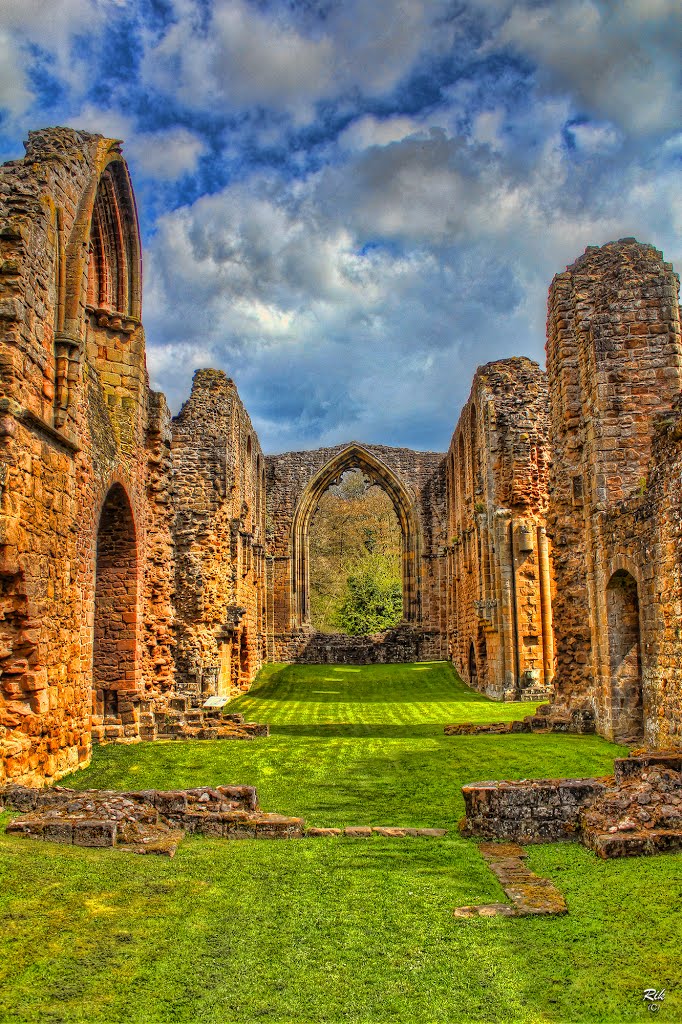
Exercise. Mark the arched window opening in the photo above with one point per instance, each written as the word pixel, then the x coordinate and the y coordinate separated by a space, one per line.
pixel 113 285
pixel 462 469
pixel 453 496
pixel 115 633
pixel 403 501
pixel 356 543
pixel 622 606
pixel 244 669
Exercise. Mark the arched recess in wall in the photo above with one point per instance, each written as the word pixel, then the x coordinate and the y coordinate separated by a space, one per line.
pixel 473 670
pixel 355 456
pixel 104 251
pixel 116 612
pixel 114 278
pixel 475 454
pixel 625 661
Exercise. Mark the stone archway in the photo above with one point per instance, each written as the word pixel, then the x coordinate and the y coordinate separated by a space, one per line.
pixel 352 457
pixel 625 663
pixel 116 584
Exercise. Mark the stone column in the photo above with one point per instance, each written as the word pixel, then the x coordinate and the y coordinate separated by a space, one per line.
pixel 508 617
pixel 546 607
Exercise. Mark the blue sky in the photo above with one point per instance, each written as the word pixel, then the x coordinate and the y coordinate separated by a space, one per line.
pixel 349 205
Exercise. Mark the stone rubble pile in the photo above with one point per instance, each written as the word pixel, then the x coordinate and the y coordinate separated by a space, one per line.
pixel 639 814
pixel 547 718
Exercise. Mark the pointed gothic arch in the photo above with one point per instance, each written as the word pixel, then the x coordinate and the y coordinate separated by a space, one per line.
pixel 103 254
pixel 355 456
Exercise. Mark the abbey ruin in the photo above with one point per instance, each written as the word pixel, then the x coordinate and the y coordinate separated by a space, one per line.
pixel 144 557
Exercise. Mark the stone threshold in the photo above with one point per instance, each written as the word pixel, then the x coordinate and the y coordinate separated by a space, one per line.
pixel 530 894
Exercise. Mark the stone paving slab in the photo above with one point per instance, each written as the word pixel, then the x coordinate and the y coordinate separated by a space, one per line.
pixel 385 831
pixel 530 894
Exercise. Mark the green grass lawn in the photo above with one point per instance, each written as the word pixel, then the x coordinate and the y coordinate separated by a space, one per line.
pixel 336 930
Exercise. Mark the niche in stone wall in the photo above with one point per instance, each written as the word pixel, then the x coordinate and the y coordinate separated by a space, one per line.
pixel 116 586
pixel 622 606
pixel 113 293
pixel 473 669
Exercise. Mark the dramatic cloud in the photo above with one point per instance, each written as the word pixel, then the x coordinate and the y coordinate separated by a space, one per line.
pixel 619 59
pixel 347 205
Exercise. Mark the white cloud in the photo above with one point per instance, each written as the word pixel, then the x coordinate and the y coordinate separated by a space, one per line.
pixel 15 96
pixel 486 128
pixel 50 27
pixel 372 131
pixel 245 56
pixel 619 60
pixel 165 155
pixel 358 301
pixel 595 138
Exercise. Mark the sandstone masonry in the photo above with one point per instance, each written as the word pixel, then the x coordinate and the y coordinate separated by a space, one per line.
pixel 146 560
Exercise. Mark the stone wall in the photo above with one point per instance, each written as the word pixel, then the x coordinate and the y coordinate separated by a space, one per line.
pixel 405 643
pixel 74 414
pixel 219 534
pixel 614 357
pixel 499 586
pixel 529 811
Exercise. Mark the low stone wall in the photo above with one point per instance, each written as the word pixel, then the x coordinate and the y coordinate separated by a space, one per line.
pixel 155 821
pixel 529 811
pixel 394 646
pixel 546 719
pixel 176 717
pixel 636 811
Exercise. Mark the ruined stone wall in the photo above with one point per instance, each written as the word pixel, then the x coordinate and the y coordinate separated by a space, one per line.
pixel 414 481
pixel 73 421
pixel 613 358
pixel 219 533
pixel 498 563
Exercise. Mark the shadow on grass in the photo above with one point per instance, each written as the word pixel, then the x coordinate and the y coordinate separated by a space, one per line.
pixel 361 730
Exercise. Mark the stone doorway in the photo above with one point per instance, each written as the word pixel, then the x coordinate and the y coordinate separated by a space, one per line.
pixel 625 663
pixel 115 627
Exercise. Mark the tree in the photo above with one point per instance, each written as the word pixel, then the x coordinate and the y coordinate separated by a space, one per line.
pixel 355 525
pixel 374 598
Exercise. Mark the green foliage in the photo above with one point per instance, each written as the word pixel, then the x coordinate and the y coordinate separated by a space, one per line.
pixel 373 600
pixel 336 931
pixel 355 559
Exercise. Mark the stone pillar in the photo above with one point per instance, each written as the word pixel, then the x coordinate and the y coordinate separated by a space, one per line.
pixel 546 607
pixel 508 617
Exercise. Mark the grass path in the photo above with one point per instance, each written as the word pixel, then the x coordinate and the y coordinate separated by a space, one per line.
pixel 335 930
